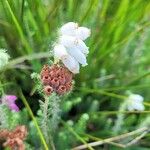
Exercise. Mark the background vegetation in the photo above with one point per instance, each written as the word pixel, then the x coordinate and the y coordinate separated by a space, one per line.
pixel 119 62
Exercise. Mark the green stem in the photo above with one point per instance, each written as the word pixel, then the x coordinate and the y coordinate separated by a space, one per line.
pixel 45 122
pixel 28 48
pixel 34 120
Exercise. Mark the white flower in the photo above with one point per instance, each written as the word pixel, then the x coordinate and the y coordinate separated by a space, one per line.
pixel 78 55
pixel 69 28
pixel 75 47
pixel 4 57
pixel 71 64
pixel 60 53
pixel 135 102
pixel 83 33
pixel 70 41
pixel 70 48
pixel 72 29
pixel 81 45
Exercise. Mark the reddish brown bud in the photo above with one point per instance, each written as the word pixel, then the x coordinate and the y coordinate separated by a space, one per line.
pixel 61 90
pixel 48 90
pixel 68 86
pixel 45 79
pixel 53 74
pixel 62 80
pixel 56 78
pixel 55 82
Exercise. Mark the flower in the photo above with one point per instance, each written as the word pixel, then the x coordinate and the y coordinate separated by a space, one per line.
pixel 70 48
pixel 135 102
pixel 14 139
pixel 83 33
pixel 9 100
pixel 4 57
pixel 68 28
pixel 70 62
pixel 57 79
pixel 73 29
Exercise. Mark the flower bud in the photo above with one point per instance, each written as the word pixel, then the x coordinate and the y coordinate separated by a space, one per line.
pixel 48 90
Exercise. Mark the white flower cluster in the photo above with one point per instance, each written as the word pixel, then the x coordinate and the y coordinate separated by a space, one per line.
pixel 70 48
pixel 135 102
pixel 4 57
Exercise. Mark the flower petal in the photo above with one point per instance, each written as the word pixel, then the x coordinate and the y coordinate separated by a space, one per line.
pixel 10 98
pixel 78 55
pixel 67 41
pixel 137 97
pixel 130 107
pixel 139 106
pixel 82 46
pixel 69 28
pixel 71 64
pixel 14 107
pixel 83 33
pixel 59 51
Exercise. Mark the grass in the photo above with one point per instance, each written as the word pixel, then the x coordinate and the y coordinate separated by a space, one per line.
pixel 118 60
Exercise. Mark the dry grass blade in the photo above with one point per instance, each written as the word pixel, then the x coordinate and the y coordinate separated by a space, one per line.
pixel 93 144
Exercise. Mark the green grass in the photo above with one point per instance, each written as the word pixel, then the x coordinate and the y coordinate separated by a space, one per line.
pixel 119 58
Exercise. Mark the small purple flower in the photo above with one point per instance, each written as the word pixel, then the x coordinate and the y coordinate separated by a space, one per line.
pixel 9 100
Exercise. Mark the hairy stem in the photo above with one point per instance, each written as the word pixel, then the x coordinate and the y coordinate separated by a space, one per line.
pixel 45 125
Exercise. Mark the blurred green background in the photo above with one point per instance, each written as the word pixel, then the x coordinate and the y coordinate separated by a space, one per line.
pixel 118 62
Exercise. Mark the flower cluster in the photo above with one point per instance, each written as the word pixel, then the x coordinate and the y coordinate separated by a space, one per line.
pixel 72 51
pixel 4 57
pixel 135 102
pixel 70 48
pixel 14 139
pixel 9 100
pixel 57 79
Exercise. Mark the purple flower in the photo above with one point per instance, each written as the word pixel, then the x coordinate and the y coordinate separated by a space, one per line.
pixel 9 100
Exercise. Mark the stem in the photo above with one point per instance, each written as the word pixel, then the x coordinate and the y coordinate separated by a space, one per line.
pixel 34 120
pixel 1 88
pixel 18 27
pixel 93 144
pixel 45 124
pixel 120 117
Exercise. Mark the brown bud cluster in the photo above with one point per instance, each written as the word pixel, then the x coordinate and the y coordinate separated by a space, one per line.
pixel 57 79
pixel 14 139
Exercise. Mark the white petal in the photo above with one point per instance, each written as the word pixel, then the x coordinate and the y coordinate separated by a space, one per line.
pixel 68 28
pixel 78 55
pixel 71 64
pixel 83 33
pixel 138 97
pixel 67 41
pixel 130 107
pixel 59 51
pixel 83 48
pixel 139 106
